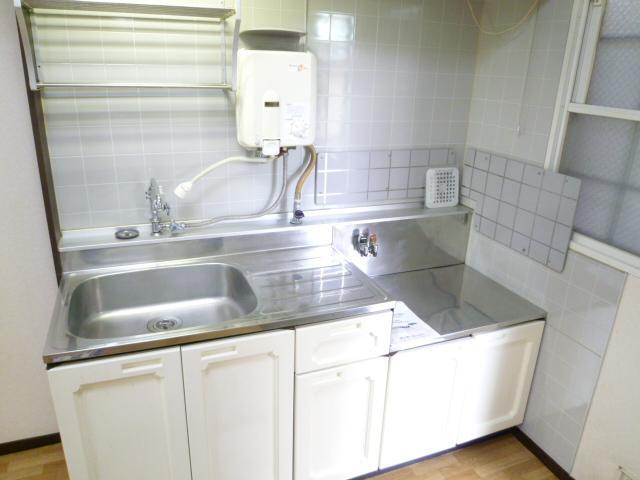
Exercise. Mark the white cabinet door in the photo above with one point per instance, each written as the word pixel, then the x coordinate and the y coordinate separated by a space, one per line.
pixel 123 417
pixel 424 398
pixel 239 395
pixel 501 366
pixel 338 420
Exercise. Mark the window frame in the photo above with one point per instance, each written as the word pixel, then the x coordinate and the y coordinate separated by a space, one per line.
pixel 577 68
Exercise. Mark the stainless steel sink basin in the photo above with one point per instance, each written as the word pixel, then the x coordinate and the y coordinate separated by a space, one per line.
pixel 158 300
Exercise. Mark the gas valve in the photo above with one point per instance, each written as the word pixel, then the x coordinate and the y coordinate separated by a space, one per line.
pixel 366 243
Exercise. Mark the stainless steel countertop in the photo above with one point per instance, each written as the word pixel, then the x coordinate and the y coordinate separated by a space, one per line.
pixel 294 287
pixel 446 303
pixel 299 278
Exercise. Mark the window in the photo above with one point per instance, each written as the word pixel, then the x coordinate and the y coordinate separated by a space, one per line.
pixel 597 134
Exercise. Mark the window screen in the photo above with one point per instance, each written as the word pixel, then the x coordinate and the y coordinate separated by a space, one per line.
pixel 605 154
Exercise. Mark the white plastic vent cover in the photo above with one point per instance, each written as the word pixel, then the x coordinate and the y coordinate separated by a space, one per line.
pixel 442 187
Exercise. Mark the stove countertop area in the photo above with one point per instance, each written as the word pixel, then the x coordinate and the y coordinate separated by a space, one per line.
pixel 445 303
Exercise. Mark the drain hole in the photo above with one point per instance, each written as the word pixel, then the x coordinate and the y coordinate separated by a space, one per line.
pixel 163 324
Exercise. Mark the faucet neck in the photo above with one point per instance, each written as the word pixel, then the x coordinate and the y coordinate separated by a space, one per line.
pixel 160 209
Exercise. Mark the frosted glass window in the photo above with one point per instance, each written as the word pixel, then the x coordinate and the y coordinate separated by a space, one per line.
pixel 605 154
pixel 614 82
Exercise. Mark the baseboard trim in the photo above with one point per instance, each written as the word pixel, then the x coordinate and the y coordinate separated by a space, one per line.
pixel 543 456
pixel 29 443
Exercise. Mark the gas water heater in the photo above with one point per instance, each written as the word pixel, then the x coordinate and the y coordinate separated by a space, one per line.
pixel 276 100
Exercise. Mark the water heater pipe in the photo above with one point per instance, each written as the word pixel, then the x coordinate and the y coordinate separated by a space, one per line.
pixel 298 214
pixel 274 204
pixel 184 188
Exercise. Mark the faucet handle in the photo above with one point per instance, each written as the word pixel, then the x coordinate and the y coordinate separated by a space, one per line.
pixel 363 244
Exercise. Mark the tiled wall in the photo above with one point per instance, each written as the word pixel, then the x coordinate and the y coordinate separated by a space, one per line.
pixel 393 75
pixel 380 176
pixel 582 302
pixel 521 206
pixel 517 78
pixel 105 145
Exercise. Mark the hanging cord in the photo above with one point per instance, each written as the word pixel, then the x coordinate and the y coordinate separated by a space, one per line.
pixel 506 30
pixel 212 221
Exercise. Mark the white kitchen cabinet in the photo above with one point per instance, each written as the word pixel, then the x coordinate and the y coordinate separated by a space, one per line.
pixel 501 366
pixel 342 341
pixel 338 420
pixel 123 417
pixel 424 398
pixel 239 396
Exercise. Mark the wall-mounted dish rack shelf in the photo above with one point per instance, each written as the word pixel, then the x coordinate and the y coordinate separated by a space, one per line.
pixel 211 10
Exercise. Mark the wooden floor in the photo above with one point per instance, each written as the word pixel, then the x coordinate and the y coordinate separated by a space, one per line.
pixel 501 458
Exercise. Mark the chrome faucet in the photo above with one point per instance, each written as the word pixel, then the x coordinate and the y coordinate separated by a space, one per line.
pixel 161 220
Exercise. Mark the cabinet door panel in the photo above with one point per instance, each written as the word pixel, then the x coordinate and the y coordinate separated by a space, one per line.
pixel 239 395
pixel 338 420
pixel 343 341
pixel 501 368
pixel 424 398
pixel 123 417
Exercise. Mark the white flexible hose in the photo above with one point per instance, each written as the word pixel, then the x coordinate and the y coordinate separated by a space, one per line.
pixel 211 221
pixel 506 30
pixel 184 188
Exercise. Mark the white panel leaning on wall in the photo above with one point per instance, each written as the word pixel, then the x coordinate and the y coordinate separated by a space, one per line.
pixel 521 205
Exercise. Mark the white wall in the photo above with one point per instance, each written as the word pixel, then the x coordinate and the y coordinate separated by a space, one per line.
pixel 516 78
pixel 612 434
pixel 27 279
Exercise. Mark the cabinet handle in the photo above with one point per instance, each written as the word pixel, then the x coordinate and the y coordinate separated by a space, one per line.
pixel 219 353
pixel 142 366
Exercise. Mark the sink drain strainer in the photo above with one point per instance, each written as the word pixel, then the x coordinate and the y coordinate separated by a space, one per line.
pixel 163 324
